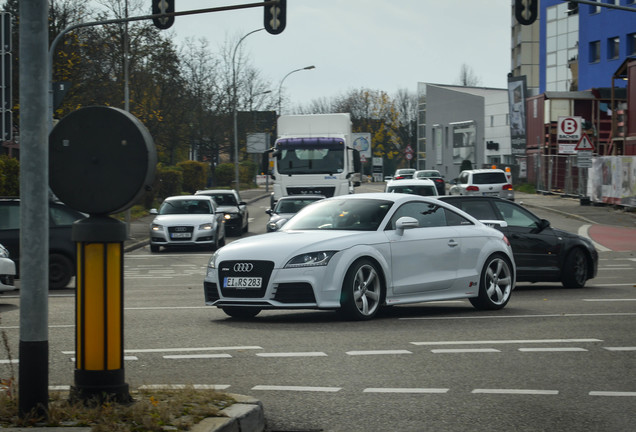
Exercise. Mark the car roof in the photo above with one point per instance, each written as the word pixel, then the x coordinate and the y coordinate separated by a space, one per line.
pixel 215 191
pixel 317 197
pixel 386 196
pixel 188 197
pixel 411 182
pixel 483 170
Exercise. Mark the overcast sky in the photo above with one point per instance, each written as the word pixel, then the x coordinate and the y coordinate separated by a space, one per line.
pixel 378 44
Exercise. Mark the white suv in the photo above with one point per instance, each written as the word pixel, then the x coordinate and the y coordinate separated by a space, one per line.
pixel 484 182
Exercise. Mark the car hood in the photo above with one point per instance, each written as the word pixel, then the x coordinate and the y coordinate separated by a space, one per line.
pixel 183 219
pixel 281 246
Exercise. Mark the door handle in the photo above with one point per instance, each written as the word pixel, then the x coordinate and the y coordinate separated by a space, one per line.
pixel 452 243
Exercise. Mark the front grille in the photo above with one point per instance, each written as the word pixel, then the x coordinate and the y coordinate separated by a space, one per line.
pixel 6 279
pixel 262 269
pixel 175 231
pixel 295 293
pixel 211 292
pixel 327 191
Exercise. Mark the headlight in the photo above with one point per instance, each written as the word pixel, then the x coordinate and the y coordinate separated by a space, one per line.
pixel 230 216
pixel 211 262
pixel 272 226
pixel 205 226
pixel 156 227
pixel 312 259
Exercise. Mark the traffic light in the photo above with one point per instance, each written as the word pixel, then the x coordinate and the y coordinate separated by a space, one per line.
pixel 275 17
pixel 163 7
pixel 526 11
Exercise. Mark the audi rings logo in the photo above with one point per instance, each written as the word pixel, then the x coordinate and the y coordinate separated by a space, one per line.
pixel 243 267
pixel 180 229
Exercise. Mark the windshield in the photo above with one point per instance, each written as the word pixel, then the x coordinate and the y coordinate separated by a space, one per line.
pixel 311 156
pixel 185 207
pixel 413 189
pixel 341 214
pixel 292 205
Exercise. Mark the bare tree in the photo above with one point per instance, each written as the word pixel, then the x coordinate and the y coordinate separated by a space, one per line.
pixel 467 77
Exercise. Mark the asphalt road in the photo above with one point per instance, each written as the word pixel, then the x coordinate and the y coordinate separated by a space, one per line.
pixel 553 359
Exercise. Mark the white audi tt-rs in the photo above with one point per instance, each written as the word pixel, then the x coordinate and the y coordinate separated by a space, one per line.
pixel 357 253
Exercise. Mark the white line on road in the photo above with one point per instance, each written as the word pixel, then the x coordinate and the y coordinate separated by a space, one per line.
pixel 564 315
pixel 183 386
pixel 557 349
pixel 609 300
pixel 464 350
pixel 297 388
pixel 620 348
pixel 378 352
pixel 293 354
pixel 612 393
pixel 405 390
pixel 195 356
pixel 511 341
pixel 516 391
pixel 160 350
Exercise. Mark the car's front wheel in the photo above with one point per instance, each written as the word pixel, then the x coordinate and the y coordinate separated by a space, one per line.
pixel 60 271
pixel 495 284
pixel 361 291
pixel 241 312
pixel 574 272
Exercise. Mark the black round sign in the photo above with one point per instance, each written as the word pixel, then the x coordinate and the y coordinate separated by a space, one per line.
pixel 101 159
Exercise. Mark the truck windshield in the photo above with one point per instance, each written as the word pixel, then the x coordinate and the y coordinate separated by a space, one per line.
pixel 311 156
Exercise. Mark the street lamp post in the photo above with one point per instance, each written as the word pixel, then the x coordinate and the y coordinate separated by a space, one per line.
pixel 280 87
pixel 235 108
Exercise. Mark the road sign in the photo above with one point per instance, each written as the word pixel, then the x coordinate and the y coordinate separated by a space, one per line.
pixel 569 128
pixel 408 150
pixel 584 144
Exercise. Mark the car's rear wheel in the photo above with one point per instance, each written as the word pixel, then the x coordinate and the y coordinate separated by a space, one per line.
pixel 361 291
pixel 495 284
pixel 60 271
pixel 575 269
pixel 241 312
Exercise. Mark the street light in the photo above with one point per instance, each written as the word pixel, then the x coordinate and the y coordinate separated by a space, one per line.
pixel 280 87
pixel 235 103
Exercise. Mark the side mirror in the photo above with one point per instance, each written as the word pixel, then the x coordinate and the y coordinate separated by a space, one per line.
pixel 495 223
pixel 405 222
pixel 153 211
pixel 269 211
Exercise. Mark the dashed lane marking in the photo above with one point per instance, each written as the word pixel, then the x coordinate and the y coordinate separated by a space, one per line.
pixel 297 388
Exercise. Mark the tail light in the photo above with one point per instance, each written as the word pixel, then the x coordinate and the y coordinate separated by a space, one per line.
pixel 507 187
pixel 398 178
pixel 472 188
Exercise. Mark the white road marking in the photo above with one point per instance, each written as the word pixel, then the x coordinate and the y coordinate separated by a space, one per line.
pixel 293 354
pixel 557 349
pixel 195 356
pixel 464 350
pixel 405 390
pixel 511 341
pixel 378 352
pixel 583 231
pixel 610 300
pixel 297 388
pixel 612 393
pixel 160 350
pixel 565 315
pixel 516 391
pixel 126 358
pixel 620 348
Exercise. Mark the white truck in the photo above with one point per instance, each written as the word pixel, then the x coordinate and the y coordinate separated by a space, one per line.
pixel 314 154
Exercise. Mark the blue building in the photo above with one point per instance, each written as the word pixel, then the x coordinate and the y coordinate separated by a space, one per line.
pixel 581 46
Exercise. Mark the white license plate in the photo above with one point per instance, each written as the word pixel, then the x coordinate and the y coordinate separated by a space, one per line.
pixel 180 235
pixel 491 193
pixel 242 282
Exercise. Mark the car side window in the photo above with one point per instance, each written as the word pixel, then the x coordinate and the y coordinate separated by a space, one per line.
pixel 463 178
pixel 516 216
pixel 454 219
pixel 428 215
pixel 481 210
pixel 9 217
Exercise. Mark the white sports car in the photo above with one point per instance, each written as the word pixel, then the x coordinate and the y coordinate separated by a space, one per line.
pixel 356 253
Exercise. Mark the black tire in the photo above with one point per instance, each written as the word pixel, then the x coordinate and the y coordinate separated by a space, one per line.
pixel 61 271
pixel 575 269
pixel 241 312
pixel 215 245
pixel 154 248
pixel 361 294
pixel 247 224
pixel 495 284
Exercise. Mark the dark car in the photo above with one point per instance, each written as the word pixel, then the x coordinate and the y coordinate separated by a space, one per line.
pixel 228 201
pixel 286 207
pixel 435 176
pixel 62 250
pixel 542 253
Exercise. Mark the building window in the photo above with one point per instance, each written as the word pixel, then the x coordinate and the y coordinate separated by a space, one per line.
pixel 595 52
pixel 613 51
pixel 595 9
pixel 631 44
